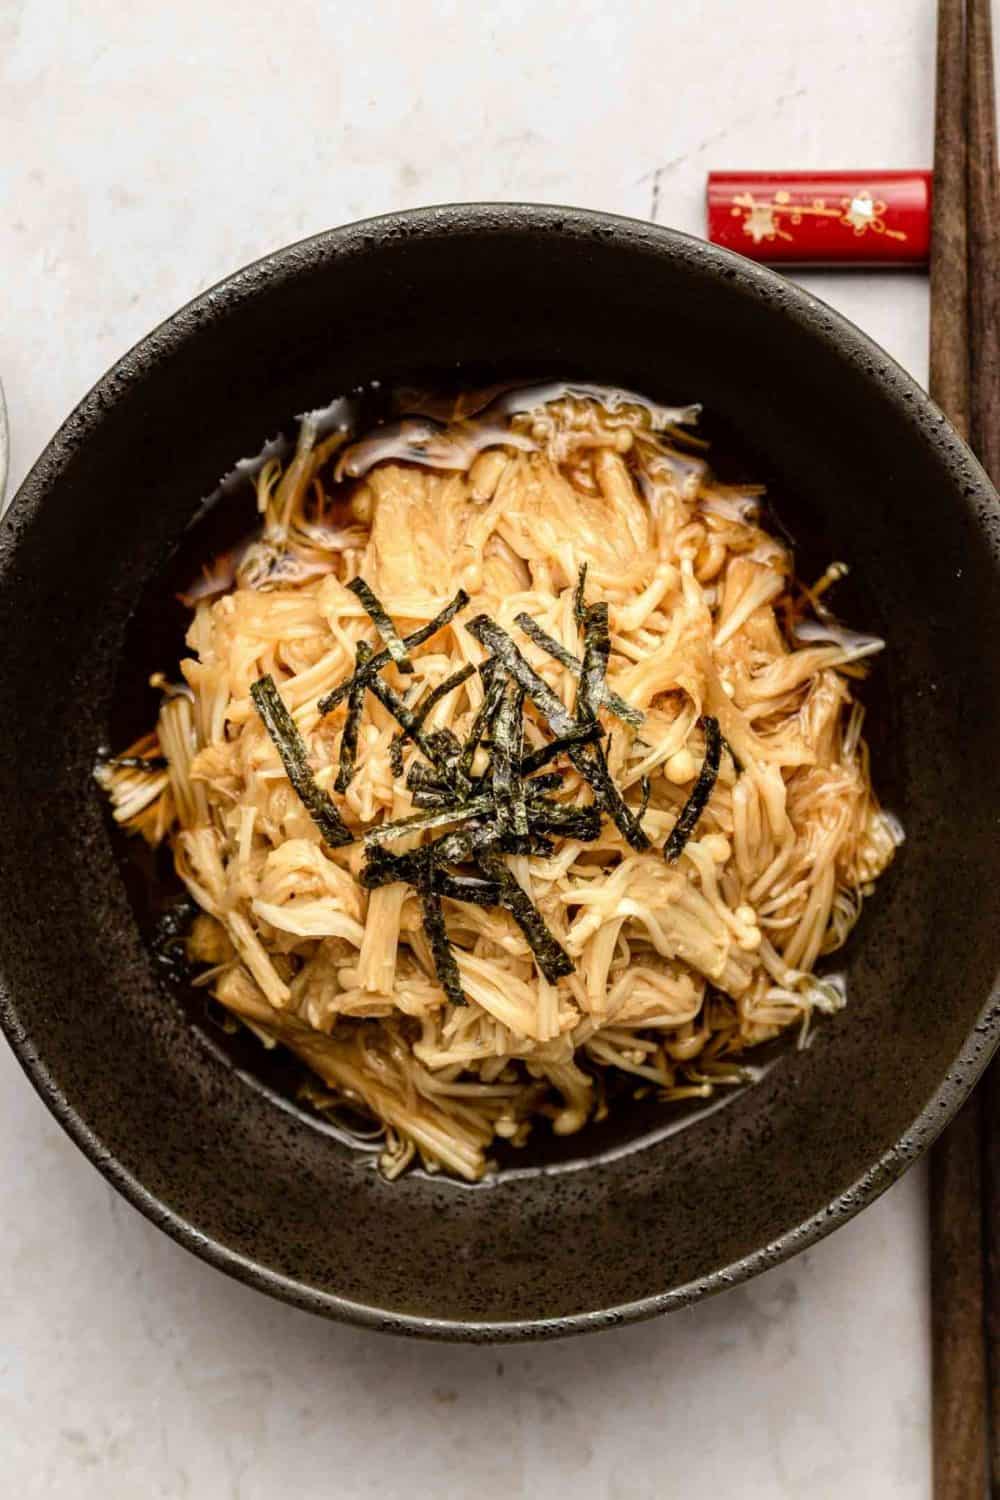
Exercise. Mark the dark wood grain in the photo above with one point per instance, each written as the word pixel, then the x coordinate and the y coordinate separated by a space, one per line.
pixel 990 1089
pixel 984 425
pixel 949 335
pixel 959 1406
pixel 959 1363
pixel 984 241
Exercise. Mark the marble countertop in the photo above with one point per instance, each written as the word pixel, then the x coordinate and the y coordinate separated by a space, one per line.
pixel 149 151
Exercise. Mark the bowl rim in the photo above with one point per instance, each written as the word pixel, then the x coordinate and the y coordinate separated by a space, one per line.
pixel 795 303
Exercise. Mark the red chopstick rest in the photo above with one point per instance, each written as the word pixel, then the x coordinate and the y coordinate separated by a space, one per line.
pixel 829 218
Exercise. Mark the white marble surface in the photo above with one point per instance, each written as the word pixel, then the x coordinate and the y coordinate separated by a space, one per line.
pixel 146 151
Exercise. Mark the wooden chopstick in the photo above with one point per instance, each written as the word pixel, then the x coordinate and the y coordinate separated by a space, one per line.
pixel 949 336
pixel 959 1373
pixel 958 1425
pixel 965 382
pixel 990 1090
pixel 984 431
pixel 984 241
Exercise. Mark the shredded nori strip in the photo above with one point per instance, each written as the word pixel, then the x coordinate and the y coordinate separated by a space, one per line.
pixel 582 823
pixel 442 690
pixel 428 799
pixel 422 777
pixel 383 658
pixel 407 720
pixel 383 623
pixel 645 787
pixel 471 888
pixel 444 744
pixel 505 767
pixel 541 637
pixel 695 804
pixel 550 955
pixel 423 709
pixel 502 811
pixel 382 868
pixel 585 734
pixel 291 747
pixel 451 849
pixel 494 685
pixel 596 650
pixel 532 843
pixel 379 872
pixel 437 935
pixel 349 738
pixel 588 760
pixel 580 596
pixel 550 782
pixel 592 764
pixel 396 755
pixel 499 644
pixel 428 788
pixel 611 701
pixel 457 812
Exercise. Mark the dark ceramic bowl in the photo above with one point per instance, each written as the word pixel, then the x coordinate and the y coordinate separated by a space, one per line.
pixel 633 1222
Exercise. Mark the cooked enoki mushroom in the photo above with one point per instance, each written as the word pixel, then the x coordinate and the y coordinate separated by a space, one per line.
pixel 513 759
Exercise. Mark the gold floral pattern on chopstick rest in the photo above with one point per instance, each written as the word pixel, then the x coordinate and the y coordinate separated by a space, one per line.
pixel 825 217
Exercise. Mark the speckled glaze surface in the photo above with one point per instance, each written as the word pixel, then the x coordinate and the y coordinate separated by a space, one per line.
pixel 250 1184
